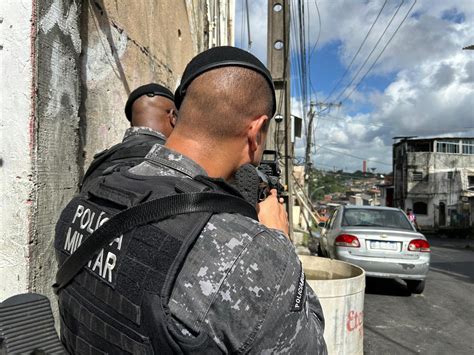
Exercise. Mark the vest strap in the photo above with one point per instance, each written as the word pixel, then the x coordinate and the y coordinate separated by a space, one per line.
pixel 144 213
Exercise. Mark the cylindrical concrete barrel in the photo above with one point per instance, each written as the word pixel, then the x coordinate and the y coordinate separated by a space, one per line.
pixel 340 287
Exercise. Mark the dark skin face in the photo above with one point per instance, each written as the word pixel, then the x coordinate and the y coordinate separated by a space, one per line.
pixel 157 113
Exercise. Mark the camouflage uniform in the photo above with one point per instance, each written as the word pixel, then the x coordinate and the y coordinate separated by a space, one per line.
pixel 136 131
pixel 242 283
pixel 136 142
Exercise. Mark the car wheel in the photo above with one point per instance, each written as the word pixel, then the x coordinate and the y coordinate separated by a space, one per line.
pixel 320 251
pixel 313 245
pixel 415 286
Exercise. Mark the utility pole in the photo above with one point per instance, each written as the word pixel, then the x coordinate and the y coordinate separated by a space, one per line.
pixel 323 106
pixel 309 138
pixel 279 132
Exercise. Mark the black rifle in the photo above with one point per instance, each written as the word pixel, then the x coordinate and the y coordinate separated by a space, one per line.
pixel 269 174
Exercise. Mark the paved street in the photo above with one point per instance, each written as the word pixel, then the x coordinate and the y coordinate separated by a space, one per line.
pixel 440 321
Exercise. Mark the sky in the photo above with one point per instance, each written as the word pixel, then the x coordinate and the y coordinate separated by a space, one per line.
pixel 421 85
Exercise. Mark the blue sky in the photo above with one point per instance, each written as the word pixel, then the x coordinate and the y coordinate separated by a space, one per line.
pixel 422 84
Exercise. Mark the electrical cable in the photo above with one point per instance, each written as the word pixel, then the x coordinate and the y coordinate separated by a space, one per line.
pixel 314 49
pixel 383 50
pixel 248 24
pixel 371 52
pixel 357 53
pixel 242 25
pixel 351 155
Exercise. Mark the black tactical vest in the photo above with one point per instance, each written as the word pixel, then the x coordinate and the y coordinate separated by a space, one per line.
pixel 129 153
pixel 118 304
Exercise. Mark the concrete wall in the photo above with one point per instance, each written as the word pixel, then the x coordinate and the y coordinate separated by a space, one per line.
pixel 16 144
pixel 437 186
pixel 120 53
pixel 69 66
pixel 57 50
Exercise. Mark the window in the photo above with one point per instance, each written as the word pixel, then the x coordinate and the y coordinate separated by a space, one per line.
pixel 420 208
pixel 421 147
pixel 448 147
pixel 468 147
pixel 470 182
pixel 376 218
pixel 417 176
pixel 450 175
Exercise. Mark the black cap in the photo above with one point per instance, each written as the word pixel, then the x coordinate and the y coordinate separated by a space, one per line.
pixel 152 88
pixel 218 57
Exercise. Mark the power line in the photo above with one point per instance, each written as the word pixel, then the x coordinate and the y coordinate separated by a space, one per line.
pixel 358 51
pixel 296 49
pixel 242 25
pixel 383 50
pixel 298 56
pixel 314 48
pixel 371 52
pixel 351 155
pixel 248 24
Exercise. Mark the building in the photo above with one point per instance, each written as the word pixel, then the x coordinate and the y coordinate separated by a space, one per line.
pixel 68 67
pixel 386 191
pixel 435 178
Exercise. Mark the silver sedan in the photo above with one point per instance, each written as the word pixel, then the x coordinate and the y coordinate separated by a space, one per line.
pixel 381 240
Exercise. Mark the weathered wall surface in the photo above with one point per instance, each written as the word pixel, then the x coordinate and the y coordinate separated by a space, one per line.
pixel 58 46
pixel 127 44
pixel 67 67
pixel 16 185
pixel 444 181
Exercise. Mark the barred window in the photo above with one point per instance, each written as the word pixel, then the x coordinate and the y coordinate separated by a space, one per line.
pixel 447 147
pixel 468 147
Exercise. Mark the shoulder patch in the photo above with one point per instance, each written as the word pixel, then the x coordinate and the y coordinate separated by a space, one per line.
pixel 300 292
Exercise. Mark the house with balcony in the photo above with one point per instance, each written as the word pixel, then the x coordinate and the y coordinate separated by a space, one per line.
pixel 435 178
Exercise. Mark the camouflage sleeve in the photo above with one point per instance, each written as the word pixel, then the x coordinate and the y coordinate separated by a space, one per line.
pixel 294 323
pixel 243 285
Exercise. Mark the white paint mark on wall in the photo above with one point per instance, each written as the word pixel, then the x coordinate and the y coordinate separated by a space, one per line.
pixel 61 72
pixel 100 60
pixel 68 23
pixel 15 171
pixel 66 20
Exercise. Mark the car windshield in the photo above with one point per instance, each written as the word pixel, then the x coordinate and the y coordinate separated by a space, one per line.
pixel 375 218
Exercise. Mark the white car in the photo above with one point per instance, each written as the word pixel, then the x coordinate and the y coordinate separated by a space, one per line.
pixel 381 240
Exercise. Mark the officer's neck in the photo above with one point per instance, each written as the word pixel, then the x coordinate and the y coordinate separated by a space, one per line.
pixel 218 160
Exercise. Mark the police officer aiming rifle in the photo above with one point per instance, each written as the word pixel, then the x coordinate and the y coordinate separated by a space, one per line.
pixel 166 257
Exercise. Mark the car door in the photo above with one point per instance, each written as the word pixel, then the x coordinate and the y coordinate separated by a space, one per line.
pixel 332 233
pixel 326 234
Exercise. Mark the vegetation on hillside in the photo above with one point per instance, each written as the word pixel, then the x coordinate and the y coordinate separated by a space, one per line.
pixel 327 182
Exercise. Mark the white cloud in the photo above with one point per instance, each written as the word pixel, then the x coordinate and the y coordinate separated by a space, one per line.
pixel 432 91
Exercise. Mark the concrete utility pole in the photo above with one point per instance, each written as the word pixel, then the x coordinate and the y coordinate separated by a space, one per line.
pixel 279 133
pixel 309 138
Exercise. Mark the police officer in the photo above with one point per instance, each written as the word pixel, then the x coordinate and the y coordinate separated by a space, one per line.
pixel 152 114
pixel 236 285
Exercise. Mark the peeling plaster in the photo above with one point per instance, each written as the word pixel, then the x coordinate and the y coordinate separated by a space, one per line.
pixel 16 187
pixel 67 23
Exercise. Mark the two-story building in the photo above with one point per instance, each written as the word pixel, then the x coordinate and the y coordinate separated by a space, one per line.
pixel 435 178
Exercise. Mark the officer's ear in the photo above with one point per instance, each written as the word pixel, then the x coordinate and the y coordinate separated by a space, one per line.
pixel 257 132
pixel 173 116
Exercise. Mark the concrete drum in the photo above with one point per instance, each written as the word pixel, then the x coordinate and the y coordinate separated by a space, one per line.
pixel 340 287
